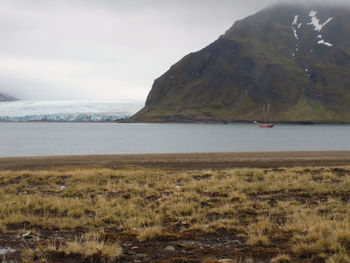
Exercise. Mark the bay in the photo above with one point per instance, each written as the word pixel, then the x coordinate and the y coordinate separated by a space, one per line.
pixel 54 138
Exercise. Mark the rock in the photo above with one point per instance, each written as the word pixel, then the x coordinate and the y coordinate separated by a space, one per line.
pixel 127 244
pixel 134 247
pixel 248 260
pixel 182 244
pixel 28 235
pixel 169 248
pixel 141 256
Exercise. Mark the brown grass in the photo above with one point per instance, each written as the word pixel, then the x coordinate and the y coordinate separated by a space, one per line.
pixel 149 233
pixel 290 214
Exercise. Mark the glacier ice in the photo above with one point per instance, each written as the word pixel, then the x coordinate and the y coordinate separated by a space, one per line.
pixel 68 110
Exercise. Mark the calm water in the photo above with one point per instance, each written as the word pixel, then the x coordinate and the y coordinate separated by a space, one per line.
pixel 36 139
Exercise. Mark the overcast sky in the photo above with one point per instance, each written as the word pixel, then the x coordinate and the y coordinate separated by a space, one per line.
pixel 104 49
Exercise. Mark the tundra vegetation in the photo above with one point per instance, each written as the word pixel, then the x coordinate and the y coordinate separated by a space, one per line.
pixel 163 215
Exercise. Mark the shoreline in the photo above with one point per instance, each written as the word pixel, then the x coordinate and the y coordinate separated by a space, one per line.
pixel 182 160
pixel 127 121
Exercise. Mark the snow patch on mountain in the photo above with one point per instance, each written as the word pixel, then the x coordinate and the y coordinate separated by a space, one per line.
pixel 307 72
pixel 295 34
pixel 68 110
pixel 295 27
pixel 316 22
pixel 295 21
pixel 322 42
pixel 318 27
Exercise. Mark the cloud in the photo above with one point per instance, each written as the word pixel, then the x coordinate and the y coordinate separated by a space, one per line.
pixel 106 49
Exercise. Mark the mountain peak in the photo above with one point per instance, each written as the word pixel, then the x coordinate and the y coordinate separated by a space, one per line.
pixel 295 57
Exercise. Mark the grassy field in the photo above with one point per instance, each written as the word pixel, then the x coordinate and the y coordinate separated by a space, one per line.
pixel 171 215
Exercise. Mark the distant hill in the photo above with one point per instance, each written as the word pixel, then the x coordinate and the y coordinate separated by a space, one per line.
pixel 4 97
pixel 294 57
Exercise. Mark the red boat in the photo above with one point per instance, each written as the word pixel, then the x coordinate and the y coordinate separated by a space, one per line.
pixel 266 113
pixel 269 125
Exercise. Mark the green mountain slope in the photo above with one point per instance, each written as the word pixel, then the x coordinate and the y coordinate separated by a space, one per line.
pixel 295 58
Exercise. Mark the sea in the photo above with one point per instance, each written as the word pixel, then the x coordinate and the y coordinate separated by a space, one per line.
pixel 85 138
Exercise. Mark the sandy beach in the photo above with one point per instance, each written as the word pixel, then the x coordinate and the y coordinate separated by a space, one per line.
pixel 183 161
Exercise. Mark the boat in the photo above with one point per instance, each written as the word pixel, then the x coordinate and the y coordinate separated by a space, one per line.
pixel 266 125
pixel 265 116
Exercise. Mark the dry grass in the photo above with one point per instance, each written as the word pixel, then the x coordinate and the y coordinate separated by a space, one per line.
pixel 258 232
pixel 149 233
pixel 28 255
pixel 283 258
pixel 88 246
pixel 297 213
pixel 339 258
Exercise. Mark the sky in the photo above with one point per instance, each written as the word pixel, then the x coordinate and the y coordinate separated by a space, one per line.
pixel 104 49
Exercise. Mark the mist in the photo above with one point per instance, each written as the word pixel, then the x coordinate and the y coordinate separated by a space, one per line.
pixel 89 49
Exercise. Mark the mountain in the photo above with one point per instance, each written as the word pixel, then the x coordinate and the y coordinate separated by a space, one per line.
pixel 4 97
pixel 294 57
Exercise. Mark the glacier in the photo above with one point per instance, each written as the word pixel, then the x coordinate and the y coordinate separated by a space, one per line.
pixel 95 110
